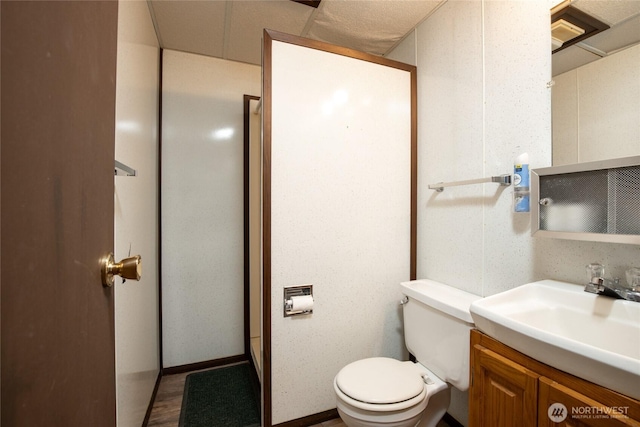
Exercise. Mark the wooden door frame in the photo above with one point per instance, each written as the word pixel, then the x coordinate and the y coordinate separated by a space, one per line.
pixel 247 258
pixel 268 37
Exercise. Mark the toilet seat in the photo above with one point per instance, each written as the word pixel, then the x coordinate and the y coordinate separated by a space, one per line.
pixel 381 384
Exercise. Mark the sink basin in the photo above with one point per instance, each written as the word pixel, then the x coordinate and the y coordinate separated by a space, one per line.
pixel 592 337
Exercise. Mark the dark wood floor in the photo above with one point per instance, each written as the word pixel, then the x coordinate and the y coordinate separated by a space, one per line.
pixel 166 407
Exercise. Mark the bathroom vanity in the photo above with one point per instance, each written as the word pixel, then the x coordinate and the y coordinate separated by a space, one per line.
pixel 509 388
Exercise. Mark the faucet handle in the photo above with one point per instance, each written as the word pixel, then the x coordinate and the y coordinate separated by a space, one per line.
pixel 595 271
pixel 633 278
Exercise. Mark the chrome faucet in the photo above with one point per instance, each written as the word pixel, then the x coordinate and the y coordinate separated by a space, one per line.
pixel 612 287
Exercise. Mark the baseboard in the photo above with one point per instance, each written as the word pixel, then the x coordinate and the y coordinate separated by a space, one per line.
pixel 332 414
pixel 310 420
pixel 204 365
pixel 145 422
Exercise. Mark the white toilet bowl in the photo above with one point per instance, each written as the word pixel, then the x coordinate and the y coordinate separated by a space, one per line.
pixel 385 392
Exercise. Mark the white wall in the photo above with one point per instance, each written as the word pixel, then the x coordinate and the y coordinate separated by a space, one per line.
pixel 483 101
pixel 202 206
pixel 340 218
pixel 483 68
pixel 595 110
pixel 136 211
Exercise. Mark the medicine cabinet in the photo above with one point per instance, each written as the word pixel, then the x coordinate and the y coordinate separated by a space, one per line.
pixel 595 201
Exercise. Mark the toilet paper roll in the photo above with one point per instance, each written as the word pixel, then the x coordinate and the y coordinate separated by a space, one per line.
pixel 302 303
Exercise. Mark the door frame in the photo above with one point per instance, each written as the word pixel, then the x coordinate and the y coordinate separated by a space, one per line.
pixel 268 37
pixel 247 257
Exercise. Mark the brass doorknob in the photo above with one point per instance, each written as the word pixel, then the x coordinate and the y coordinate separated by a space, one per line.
pixel 128 268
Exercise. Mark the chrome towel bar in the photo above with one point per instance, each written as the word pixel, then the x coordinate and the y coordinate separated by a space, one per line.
pixel 504 180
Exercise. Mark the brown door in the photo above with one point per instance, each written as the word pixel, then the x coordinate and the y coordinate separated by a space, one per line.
pixel 57 135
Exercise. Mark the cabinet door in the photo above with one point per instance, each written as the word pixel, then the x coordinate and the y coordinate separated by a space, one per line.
pixel 503 393
pixel 562 406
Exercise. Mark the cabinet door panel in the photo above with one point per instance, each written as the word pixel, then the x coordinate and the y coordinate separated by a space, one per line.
pixel 503 393
pixel 562 406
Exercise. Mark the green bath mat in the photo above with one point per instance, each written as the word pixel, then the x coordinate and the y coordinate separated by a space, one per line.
pixel 222 397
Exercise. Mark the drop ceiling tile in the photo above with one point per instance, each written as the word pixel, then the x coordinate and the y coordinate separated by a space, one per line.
pixel 610 11
pixel 249 18
pixel 624 18
pixel 191 26
pixel 621 35
pixel 570 58
pixel 371 26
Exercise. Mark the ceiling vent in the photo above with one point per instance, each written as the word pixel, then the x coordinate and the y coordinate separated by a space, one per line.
pixel 570 25
pixel 562 31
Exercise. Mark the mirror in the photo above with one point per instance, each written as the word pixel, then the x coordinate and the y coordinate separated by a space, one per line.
pixel 596 90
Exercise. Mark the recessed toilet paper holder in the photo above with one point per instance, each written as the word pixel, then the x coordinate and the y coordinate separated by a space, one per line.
pixel 298 300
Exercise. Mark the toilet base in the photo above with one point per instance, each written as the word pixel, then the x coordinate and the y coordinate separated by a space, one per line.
pixel 353 422
pixel 436 408
pixel 378 419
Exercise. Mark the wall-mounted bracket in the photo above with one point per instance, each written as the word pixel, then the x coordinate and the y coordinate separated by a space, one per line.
pixel 123 170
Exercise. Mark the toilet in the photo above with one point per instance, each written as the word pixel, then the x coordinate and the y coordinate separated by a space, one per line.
pixel 381 391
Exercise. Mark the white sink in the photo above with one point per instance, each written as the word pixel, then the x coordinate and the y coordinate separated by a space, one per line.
pixel 592 337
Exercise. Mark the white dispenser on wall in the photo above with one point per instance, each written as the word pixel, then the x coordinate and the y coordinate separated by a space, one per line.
pixel 521 195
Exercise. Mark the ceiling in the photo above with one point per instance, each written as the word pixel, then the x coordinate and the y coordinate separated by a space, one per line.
pixel 232 29
pixel 623 16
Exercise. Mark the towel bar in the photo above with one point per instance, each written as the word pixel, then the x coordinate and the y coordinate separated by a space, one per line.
pixel 504 180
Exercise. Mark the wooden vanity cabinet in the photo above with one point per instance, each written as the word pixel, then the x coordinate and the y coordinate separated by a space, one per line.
pixel 503 393
pixel 550 392
pixel 509 389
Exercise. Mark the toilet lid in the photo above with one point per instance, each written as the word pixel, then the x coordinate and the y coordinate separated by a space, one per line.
pixel 380 380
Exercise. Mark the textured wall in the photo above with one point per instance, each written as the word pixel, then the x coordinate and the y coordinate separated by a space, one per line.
pixel 136 211
pixel 482 74
pixel 483 69
pixel 202 206
pixel 340 218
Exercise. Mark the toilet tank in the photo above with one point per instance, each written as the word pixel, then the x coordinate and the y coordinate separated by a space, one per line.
pixel 437 323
